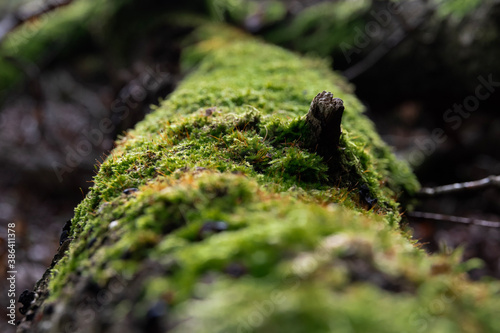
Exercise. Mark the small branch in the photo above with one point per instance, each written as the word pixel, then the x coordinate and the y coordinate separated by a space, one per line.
pixel 324 118
pixel 454 219
pixel 27 13
pixel 460 187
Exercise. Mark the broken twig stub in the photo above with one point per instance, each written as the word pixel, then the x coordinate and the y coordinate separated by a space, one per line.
pixel 324 118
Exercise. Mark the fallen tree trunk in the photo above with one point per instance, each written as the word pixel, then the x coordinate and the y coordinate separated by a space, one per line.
pixel 216 214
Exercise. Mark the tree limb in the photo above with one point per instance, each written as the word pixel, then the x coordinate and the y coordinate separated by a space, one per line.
pixel 454 219
pixel 460 187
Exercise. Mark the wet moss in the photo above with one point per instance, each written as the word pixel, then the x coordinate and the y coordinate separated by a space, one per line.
pixel 235 119
pixel 274 253
pixel 234 213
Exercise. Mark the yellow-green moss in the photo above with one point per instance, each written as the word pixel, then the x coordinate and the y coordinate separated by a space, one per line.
pixel 281 263
pixel 242 111
pixel 296 250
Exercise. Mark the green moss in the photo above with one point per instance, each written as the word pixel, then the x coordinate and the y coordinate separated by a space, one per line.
pixel 276 255
pixel 278 83
pixel 247 117
pixel 234 215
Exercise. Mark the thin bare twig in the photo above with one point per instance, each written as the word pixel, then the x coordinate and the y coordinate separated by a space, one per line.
pixel 27 13
pixel 460 187
pixel 454 219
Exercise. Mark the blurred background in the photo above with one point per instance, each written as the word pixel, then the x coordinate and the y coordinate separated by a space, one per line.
pixel 74 75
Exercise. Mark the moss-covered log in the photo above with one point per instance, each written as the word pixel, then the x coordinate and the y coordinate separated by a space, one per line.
pixel 215 215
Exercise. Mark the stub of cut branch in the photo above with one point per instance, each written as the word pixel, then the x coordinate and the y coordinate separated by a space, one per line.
pixel 324 118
